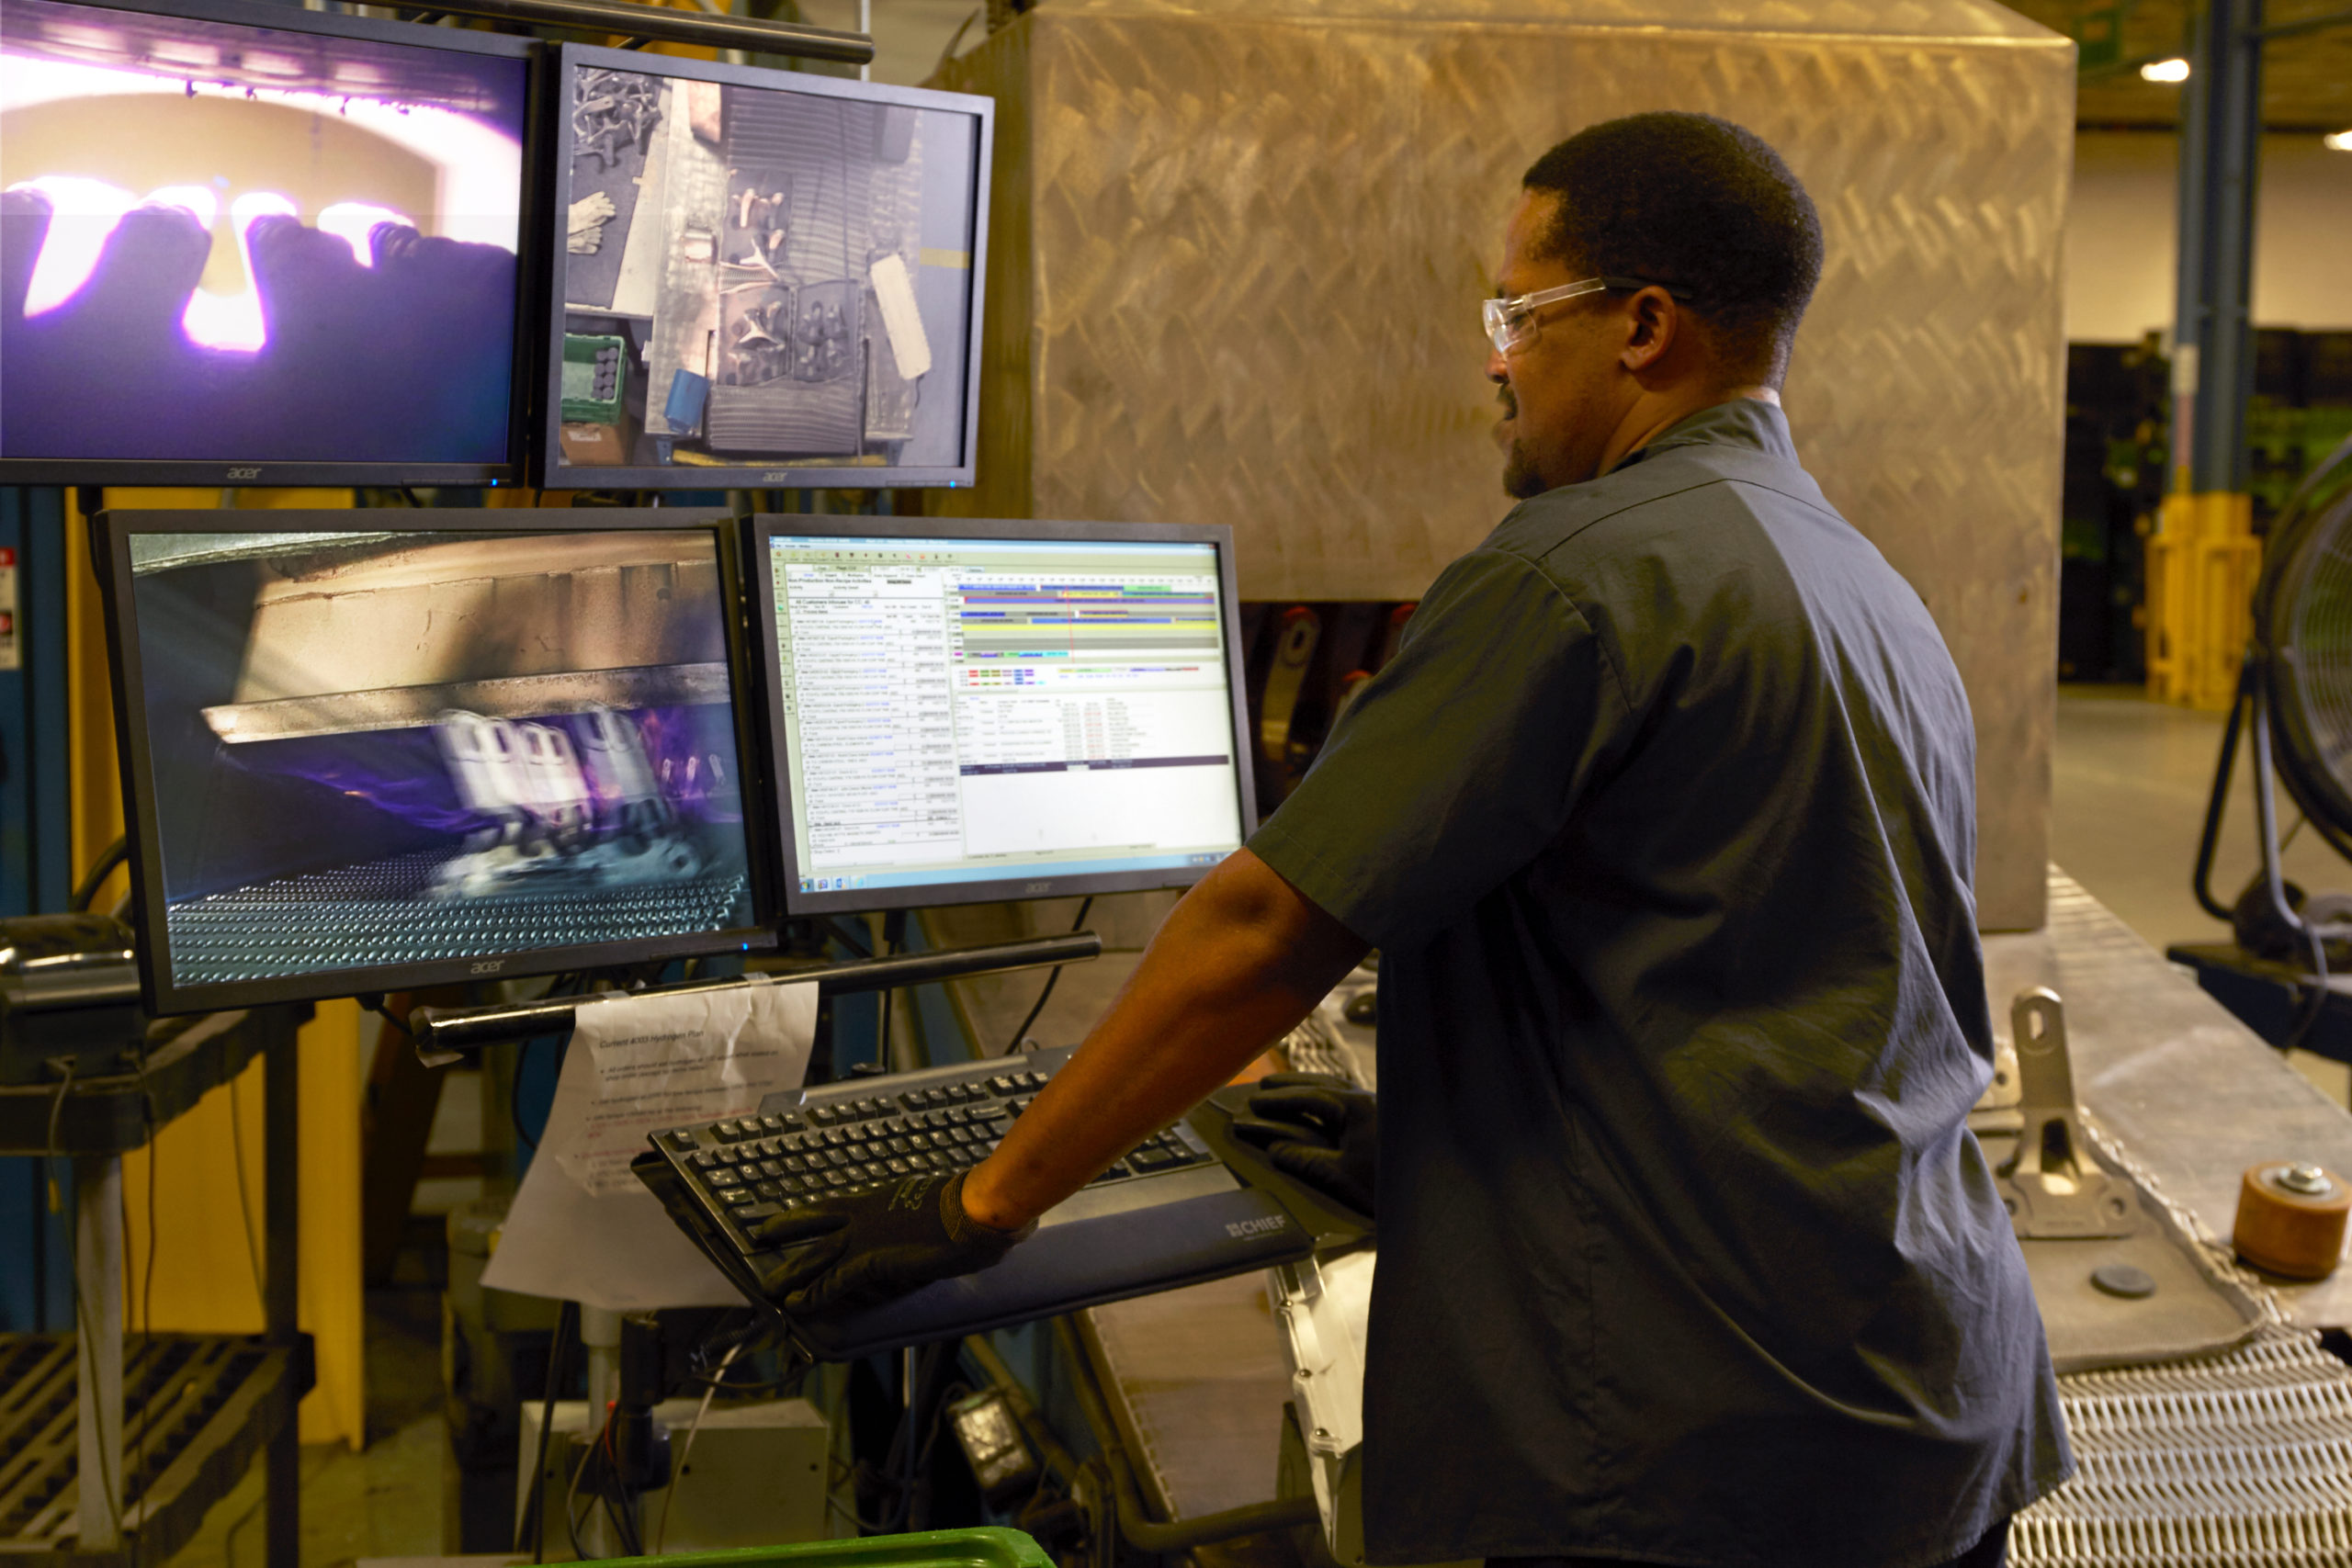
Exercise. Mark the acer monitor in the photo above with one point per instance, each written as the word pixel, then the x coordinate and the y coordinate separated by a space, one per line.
pixel 965 710
pixel 367 752
pixel 251 244
pixel 761 280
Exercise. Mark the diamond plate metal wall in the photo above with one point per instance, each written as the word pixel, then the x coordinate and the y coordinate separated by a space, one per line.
pixel 1236 252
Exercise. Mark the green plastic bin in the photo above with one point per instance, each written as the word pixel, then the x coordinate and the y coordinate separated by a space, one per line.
pixel 978 1548
pixel 581 405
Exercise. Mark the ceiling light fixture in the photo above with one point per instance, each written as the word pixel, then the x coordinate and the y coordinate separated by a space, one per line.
pixel 2337 141
pixel 2166 71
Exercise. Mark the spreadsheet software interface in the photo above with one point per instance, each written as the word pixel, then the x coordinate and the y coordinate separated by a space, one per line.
pixel 962 711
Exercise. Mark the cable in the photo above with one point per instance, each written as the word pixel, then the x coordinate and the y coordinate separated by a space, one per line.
pixel 570 1493
pixel 535 1510
pixel 678 1476
pixel 373 1001
pixel 882 1041
pixel 147 1275
pixel 608 1482
pixel 244 1198
pixel 514 1095
pixel 1043 996
pixel 109 1487
pixel 86 889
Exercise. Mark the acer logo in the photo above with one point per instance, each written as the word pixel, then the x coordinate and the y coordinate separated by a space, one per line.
pixel 777 476
pixel 1040 887
pixel 244 473
pixel 490 966
pixel 1242 1230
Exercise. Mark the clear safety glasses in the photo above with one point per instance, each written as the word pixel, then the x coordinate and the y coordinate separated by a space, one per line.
pixel 1510 323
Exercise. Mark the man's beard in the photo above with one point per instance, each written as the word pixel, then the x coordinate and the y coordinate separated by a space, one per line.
pixel 1521 482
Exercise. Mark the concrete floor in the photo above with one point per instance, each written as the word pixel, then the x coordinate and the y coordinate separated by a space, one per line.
pixel 2131 785
pixel 2131 781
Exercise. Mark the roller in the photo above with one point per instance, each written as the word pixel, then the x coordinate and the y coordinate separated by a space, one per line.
pixel 2291 1218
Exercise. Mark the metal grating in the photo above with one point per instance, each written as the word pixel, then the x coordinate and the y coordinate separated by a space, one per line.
pixel 376 914
pixel 196 1408
pixel 2242 1459
pixel 1235 249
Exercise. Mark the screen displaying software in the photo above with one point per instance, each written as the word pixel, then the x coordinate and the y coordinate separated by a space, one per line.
pixel 961 711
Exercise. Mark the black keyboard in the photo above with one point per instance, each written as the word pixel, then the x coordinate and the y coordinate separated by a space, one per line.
pixel 1169 1212
pixel 745 1169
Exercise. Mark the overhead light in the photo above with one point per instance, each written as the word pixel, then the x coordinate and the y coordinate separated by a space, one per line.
pixel 2175 70
pixel 2337 141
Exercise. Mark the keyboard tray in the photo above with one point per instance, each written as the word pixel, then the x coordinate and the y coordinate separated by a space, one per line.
pixel 1134 1233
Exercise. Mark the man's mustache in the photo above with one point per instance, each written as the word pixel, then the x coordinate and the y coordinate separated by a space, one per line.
pixel 1511 403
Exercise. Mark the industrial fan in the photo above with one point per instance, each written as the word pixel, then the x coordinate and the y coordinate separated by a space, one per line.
pixel 2295 696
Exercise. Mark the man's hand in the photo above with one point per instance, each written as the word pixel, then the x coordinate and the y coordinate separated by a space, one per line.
pixel 1320 1129
pixel 865 1248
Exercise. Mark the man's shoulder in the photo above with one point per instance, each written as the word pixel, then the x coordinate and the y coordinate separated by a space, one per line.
pixel 1702 505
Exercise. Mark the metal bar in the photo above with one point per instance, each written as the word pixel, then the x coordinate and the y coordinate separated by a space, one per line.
pixel 281 1145
pixel 97 1284
pixel 646 21
pixel 2213 333
pixel 2302 24
pixel 442 1033
pixel 2209 837
pixel 600 1332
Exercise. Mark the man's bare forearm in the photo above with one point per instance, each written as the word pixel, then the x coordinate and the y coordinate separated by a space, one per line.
pixel 1238 961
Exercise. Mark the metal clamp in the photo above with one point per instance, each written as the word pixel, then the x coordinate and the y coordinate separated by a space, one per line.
pixel 2053 1185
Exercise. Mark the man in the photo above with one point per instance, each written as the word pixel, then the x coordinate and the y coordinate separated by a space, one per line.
pixel 1663 819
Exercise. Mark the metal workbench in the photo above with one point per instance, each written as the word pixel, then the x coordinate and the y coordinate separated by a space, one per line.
pixel 2190 1093
pixel 2194 1095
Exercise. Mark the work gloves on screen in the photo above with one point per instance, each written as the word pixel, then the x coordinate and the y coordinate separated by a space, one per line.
pixel 1318 1128
pixel 845 1253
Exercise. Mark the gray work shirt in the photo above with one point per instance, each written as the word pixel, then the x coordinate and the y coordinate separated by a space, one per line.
pixel 1663 818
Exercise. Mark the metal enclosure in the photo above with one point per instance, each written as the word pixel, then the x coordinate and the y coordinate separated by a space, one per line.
pixel 1237 253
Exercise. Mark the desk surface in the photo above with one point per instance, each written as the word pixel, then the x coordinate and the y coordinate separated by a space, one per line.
pixel 2193 1094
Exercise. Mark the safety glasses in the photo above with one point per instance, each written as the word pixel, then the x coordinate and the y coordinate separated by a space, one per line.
pixel 1510 323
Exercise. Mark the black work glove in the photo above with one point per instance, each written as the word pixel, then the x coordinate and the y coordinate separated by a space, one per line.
pixel 859 1250
pixel 1320 1129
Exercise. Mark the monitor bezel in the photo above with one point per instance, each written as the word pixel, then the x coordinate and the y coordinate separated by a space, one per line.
pixel 164 995
pixel 555 177
pixel 759 581
pixel 529 269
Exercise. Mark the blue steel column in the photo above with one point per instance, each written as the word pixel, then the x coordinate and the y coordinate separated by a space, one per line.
pixel 36 872
pixel 2221 148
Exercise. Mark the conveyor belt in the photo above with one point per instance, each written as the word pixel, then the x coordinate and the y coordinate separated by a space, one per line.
pixel 2242 1459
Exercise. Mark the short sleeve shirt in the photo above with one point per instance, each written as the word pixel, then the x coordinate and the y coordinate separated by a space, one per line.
pixel 1663 818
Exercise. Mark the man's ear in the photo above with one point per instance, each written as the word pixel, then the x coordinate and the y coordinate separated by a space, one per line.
pixel 1653 322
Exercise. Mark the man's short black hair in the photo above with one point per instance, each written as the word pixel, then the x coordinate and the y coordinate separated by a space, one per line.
pixel 1697 202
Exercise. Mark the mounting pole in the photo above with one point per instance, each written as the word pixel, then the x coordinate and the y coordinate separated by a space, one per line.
pixel 2220 150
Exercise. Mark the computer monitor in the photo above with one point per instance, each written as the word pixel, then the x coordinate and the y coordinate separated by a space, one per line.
pixel 369 750
pixel 963 711
pixel 762 280
pixel 255 244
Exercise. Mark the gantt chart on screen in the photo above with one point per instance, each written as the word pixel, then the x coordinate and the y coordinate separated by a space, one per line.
pixel 966 710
